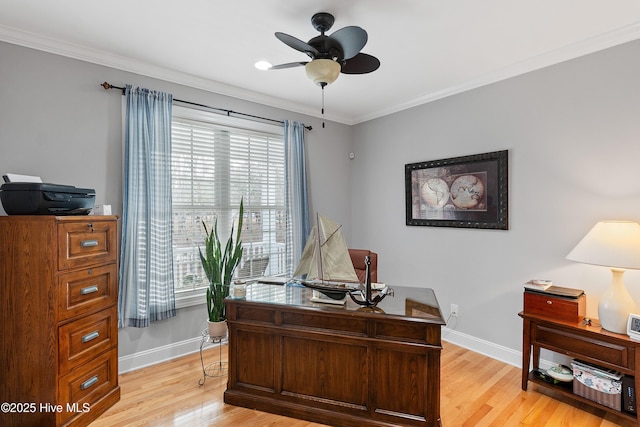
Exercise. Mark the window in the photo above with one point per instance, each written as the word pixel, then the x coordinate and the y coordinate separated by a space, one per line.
pixel 216 162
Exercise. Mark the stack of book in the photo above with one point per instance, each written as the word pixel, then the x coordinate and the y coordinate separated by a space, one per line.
pixel 538 285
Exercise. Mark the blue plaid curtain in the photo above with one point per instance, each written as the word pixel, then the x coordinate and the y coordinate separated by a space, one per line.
pixel 146 269
pixel 297 203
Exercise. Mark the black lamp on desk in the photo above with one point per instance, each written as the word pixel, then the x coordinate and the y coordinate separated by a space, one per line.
pixel 613 244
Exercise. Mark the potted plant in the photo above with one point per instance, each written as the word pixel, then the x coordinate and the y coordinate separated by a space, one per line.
pixel 219 263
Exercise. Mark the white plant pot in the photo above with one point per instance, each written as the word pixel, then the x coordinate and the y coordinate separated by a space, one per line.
pixel 217 329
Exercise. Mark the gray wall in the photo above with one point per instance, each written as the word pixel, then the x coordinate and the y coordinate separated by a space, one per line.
pixel 58 123
pixel 572 131
pixel 573 135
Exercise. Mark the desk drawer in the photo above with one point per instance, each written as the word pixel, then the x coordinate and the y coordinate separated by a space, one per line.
pixel 81 340
pixel 87 290
pixel 566 342
pixel 83 387
pixel 86 243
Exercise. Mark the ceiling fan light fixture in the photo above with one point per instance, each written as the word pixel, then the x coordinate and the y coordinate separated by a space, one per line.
pixel 263 65
pixel 323 71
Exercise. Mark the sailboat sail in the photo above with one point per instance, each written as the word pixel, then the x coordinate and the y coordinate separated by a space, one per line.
pixel 325 256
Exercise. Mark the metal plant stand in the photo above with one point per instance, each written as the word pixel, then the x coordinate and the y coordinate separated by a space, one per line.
pixel 215 369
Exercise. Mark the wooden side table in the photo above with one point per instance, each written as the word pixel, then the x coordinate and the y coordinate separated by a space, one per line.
pixel 586 342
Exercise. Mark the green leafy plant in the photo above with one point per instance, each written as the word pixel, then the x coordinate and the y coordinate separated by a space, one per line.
pixel 219 264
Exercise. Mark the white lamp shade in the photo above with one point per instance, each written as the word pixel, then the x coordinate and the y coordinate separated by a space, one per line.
pixel 323 71
pixel 614 244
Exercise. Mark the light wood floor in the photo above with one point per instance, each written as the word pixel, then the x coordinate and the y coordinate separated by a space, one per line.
pixel 475 391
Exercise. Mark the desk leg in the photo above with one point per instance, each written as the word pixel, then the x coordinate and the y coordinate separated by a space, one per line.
pixel 526 351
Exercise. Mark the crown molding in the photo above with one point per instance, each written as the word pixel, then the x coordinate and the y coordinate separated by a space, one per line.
pixel 82 53
pixel 107 59
pixel 566 53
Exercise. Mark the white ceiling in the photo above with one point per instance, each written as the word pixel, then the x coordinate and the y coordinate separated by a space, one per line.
pixel 428 48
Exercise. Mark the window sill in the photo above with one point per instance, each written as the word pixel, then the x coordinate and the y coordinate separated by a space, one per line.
pixel 190 298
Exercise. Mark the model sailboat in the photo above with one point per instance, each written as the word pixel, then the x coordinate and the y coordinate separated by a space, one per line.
pixel 329 270
pixel 325 261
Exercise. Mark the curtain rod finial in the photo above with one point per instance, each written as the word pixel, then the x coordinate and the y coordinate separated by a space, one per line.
pixel 106 86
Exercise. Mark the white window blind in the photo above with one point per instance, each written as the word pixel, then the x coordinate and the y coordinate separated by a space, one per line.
pixel 216 162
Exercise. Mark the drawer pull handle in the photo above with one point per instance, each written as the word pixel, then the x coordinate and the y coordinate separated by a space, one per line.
pixel 88 383
pixel 89 243
pixel 92 336
pixel 549 302
pixel 89 290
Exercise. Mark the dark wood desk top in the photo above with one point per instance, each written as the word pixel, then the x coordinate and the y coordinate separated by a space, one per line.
pixel 419 304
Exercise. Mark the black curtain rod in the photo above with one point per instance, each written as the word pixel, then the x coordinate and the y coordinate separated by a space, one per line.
pixel 108 86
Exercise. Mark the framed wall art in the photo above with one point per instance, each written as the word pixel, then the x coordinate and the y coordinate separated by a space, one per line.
pixel 464 192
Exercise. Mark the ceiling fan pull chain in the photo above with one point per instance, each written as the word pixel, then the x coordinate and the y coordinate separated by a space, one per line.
pixel 322 85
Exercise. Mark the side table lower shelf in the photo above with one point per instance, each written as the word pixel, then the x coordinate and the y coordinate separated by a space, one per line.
pixel 584 341
pixel 568 391
pixel 214 369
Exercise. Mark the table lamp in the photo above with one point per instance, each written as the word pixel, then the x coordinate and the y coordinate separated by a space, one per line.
pixel 613 244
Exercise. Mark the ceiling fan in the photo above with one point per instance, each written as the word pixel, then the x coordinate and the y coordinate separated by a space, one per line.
pixel 331 55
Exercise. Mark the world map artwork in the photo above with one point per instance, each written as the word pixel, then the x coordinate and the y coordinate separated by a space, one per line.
pixel 463 192
pixel 438 190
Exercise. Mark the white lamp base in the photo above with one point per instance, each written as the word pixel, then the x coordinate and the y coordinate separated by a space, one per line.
pixel 616 304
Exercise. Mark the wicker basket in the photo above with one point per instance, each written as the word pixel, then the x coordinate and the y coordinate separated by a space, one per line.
pixel 590 383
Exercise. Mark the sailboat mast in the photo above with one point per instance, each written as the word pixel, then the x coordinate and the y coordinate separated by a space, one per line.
pixel 318 247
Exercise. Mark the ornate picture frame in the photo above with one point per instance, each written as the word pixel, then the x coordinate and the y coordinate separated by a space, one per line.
pixel 462 192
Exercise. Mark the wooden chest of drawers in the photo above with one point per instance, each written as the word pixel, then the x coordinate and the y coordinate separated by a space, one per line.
pixel 565 309
pixel 59 320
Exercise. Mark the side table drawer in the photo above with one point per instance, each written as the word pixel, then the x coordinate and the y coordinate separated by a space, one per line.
pixel 82 387
pixel 79 341
pixel 87 290
pixel 565 342
pixel 86 243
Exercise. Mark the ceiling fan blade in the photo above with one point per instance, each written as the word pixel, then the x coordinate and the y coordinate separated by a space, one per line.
pixel 287 65
pixel 350 40
pixel 297 44
pixel 360 64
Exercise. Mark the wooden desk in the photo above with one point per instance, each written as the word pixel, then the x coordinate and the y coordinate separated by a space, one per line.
pixel 338 365
pixel 589 343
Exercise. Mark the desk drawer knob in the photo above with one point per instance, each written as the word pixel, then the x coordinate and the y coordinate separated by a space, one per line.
pixel 549 302
pixel 92 336
pixel 89 290
pixel 89 243
pixel 88 383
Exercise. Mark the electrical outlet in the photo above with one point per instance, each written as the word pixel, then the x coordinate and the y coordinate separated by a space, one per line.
pixel 454 310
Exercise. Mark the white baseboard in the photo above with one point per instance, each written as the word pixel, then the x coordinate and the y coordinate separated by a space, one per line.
pixel 157 355
pixel 487 348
